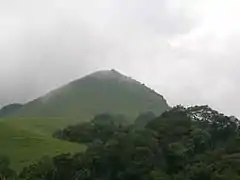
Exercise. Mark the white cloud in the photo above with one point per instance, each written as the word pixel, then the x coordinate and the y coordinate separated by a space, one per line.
pixel 187 50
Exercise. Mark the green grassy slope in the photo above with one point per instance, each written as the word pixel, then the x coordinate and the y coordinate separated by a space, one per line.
pixel 46 126
pixel 26 133
pixel 101 92
pixel 24 144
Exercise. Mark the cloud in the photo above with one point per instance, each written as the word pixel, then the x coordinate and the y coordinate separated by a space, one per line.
pixel 187 50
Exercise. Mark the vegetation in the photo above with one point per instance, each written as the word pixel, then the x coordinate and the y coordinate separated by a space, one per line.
pixel 195 143
pixel 26 130
pixel 24 145
pixel 102 128
pixel 143 119
pixel 5 171
pixel 101 92
pixel 10 109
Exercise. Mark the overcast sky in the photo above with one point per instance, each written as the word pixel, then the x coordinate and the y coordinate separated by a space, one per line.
pixel 187 50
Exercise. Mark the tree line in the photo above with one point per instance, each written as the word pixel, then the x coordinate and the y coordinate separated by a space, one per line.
pixel 195 143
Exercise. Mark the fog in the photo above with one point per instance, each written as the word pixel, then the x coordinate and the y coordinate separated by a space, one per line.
pixel 187 50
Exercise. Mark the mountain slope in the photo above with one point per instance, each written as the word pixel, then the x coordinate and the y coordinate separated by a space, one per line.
pixel 10 109
pixel 26 131
pixel 23 145
pixel 100 92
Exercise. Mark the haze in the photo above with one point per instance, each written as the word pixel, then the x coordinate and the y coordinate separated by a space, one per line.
pixel 187 50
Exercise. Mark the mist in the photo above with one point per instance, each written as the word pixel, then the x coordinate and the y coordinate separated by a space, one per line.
pixel 185 50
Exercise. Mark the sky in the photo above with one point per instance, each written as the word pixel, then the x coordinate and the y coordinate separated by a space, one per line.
pixel 187 50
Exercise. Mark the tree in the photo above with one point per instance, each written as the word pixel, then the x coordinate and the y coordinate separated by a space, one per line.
pixel 6 173
pixel 42 170
pixel 143 119
pixel 192 143
pixel 102 127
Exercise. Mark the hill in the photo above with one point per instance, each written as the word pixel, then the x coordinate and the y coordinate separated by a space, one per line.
pixel 26 130
pixel 10 109
pixel 100 92
pixel 24 145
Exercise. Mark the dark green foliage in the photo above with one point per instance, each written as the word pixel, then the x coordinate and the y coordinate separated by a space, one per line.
pixel 195 143
pixel 143 119
pixel 6 173
pixel 44 169
pixel 101 127
pixel 103 120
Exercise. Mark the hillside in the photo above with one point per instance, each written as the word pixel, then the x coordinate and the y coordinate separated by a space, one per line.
pixel 25 145
pixel 195 143
pixel 26 130
pixel 100 92
pixel 9 109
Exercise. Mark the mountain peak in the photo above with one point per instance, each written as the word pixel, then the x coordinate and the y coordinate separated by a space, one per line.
pixel 100 92
pixel 109 74
pixel 105 72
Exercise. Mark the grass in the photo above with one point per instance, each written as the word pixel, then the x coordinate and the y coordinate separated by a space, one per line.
pixel 82 99
pixel 26 135
pixel 44 126
pixel 24 143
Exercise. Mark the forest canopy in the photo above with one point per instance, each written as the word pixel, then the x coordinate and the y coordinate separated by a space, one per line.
pixel 195 143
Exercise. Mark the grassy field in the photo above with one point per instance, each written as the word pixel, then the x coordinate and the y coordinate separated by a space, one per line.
pixel 44 126
pixel 23 142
